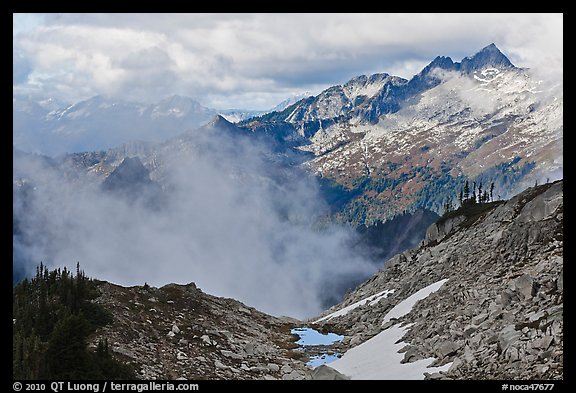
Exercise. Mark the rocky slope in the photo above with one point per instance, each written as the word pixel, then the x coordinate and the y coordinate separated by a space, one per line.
pixel 180 332
pixel 497 309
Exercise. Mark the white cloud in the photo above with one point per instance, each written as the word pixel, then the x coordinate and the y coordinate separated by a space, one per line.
pixel 252 57
pixel 225 224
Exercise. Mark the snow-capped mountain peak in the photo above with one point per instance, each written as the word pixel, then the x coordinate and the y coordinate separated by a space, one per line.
pixel 367 86
pixel 102 122
pixel 488 57
pixel 481 117
pixel 176 106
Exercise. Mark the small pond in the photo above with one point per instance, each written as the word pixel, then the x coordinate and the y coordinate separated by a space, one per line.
pixel 317 360
pixel 313 339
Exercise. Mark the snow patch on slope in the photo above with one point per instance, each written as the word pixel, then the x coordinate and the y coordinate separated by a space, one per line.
pixel 369 90
pixel 378 358
pixel 406 305
pixel 371 300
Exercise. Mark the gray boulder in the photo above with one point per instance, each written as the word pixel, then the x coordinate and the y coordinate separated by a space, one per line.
pixel 437 232
pixel 324 372
pixel 524 285
pixel 508 336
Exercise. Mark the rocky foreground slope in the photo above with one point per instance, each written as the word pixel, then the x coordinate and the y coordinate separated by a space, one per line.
pixel 180 332
pixel 498 312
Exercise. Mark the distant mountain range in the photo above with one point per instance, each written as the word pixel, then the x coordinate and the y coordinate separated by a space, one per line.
pixel 101 123
pixel 53 127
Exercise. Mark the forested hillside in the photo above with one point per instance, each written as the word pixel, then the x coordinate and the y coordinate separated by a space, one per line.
pixel 53 318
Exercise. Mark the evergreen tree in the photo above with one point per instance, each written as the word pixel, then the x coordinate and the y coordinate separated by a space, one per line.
pixel 466 191
pixel 53 316
pixel 480 192
pixel 492 191
pixel 66 355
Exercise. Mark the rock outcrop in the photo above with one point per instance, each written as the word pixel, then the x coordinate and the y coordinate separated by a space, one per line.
pixel 499 315
pixel 178 331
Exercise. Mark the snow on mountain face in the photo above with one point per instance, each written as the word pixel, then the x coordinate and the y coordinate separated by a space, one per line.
pixel 101 123
pixel 409 144
pixel 470 124
pixel 237 115
pixel 289 101
pixel 341 100
pixel 488 56
pixel 364 86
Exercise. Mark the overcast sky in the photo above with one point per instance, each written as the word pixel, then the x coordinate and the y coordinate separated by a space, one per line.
pixel 254 61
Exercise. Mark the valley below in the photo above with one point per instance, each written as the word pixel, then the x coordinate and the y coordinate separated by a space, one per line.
pixel 480 298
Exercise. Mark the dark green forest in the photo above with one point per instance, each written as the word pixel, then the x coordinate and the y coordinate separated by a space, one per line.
pixel 53 317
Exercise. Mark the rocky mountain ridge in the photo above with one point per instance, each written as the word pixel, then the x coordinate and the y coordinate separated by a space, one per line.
pixel 389 145
pixel 498 310
pixel 404 144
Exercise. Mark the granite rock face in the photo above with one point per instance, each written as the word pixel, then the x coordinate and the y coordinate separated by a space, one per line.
pixel 499 315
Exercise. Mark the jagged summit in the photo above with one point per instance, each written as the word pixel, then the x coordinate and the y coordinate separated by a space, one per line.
pixel 444 62
pixel 130 177
pixel 489 56
pixel 218 124
pixel 367 79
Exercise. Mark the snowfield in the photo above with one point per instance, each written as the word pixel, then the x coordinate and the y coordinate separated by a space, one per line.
pixel 405 306
pixel 378 358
